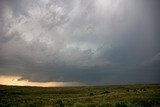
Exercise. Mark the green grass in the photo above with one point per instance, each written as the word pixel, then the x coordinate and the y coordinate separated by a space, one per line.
pixel 119 96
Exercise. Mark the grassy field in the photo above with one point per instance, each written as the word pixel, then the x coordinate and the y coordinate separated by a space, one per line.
pixel 96 96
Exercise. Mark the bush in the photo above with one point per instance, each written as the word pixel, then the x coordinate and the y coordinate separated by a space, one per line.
pixel 127 90
pixel 60 103
pixel 91 94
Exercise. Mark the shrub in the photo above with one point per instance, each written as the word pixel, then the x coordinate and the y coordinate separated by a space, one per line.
pixel 127 90
pixel 105 92
pixel 144 90
pixel 91 94
pixel 60 103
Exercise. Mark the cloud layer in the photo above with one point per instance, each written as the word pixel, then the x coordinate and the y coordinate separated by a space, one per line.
pixel 93 42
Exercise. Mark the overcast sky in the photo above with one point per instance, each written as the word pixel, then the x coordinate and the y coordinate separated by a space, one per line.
pixel 94 42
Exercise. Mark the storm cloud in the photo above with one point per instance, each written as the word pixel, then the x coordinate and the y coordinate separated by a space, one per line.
pixel 95 42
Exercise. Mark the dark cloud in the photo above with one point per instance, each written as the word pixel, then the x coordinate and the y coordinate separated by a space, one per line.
pixel 92 42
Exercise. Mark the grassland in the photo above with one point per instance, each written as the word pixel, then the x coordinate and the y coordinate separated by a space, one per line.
pixel 95 96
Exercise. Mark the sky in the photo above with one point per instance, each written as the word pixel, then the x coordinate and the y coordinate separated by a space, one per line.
pixel 79 42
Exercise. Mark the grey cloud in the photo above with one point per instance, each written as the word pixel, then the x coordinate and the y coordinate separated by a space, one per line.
pixel 154 62
pixel 93 42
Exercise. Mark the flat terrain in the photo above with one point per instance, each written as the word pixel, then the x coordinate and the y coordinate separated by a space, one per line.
pixel 95 96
